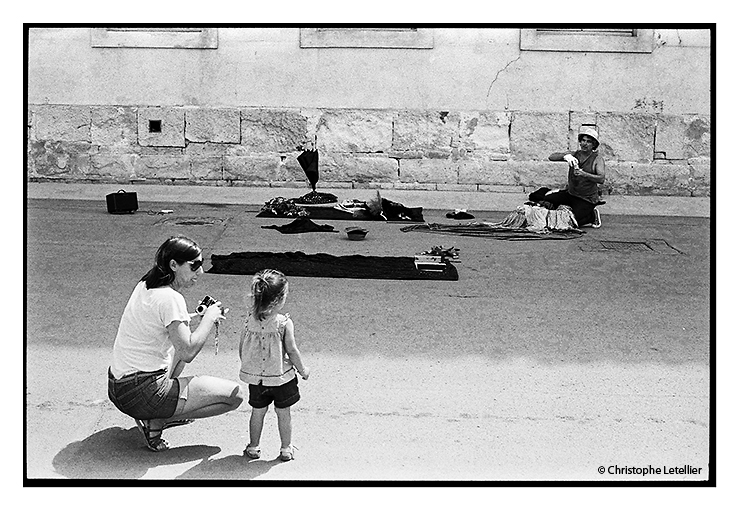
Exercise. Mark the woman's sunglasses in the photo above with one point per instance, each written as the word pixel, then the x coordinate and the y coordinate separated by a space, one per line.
pixel 195 264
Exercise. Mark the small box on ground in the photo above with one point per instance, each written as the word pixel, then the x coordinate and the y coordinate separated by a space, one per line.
pixel 122 202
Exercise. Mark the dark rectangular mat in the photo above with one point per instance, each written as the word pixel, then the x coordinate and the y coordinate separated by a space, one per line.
pixel 323 265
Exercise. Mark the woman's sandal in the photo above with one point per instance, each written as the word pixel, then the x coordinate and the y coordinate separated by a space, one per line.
pixel 153 438
pixel 253 452
pixel 176 423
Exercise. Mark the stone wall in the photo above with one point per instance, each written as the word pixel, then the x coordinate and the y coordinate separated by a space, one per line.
pixel 646 152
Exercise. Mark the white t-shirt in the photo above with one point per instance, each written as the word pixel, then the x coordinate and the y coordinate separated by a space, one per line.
pixel 142 343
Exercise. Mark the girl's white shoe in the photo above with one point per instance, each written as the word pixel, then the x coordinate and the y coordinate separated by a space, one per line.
pixel 286 453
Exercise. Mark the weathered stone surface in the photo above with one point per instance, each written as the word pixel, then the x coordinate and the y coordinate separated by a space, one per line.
pixel 627 137
pixel 534 136
pixel 428 171
pixel 425 131
pixel 272 130
pixel 698 136
pixel 421 186
pixel 162 167
pixel 646 153
pixel 47 158
pixel 195 149
pixel 355 131
pixel 116 165
pixel 61 123
pixel 257 168
pixel 219 125
pixel 206 167
pixel 499 188
pixel 357 168
pixel 486 131
pixel 661 178
pixel 114 127
pixel 172 127
pixel 683 137
pixel 456 187
pixel 578 119
pixel 700 176
pixel 513 173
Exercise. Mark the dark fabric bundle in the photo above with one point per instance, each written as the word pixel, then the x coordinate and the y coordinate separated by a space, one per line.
pixel 300 226
pixel 323 265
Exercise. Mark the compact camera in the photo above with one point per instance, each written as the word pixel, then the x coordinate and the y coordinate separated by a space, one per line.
pixel 204 304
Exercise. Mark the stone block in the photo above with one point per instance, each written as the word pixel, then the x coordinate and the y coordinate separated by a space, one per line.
pixel 114 127
pixel 660 178
pixel 418 186
pixel 428 171
pixel 58 123
pixel 501 188
pixel 534 135
pixel 425 131
pixel 578 119
pixel 700 176
pixel 456 187
pixel 55 158
pixel 273 130
pixel 698 136
pixel 162 167
pixel 116 165
pixel 209 168
pixel 513 173
pixel 256 168
pixel 197 149
pixel 627 136
pixel 217 125
pixel 486 131
pixel 355 131
pixel 357 168
pixel 161 127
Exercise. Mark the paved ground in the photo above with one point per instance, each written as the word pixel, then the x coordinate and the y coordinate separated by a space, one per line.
pixel 545 361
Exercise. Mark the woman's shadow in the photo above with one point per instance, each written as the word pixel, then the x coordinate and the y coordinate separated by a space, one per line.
pixel 117 453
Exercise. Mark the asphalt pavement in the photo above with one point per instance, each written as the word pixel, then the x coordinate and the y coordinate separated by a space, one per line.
pixel 546 361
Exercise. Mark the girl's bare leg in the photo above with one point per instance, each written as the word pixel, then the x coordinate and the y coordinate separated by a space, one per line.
pixel 285 426
pixel 256 423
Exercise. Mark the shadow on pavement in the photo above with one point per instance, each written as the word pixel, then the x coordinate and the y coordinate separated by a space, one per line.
pixel 117 453
pixel 233 467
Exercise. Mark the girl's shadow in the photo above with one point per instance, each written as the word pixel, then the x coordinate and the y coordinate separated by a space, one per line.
pixel 233 467
pixel 117 453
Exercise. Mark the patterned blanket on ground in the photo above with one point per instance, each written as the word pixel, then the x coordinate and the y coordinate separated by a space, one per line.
pixel 526 222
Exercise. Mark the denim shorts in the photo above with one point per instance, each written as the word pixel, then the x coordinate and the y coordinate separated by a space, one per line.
pixel 283 396
pixel 144 395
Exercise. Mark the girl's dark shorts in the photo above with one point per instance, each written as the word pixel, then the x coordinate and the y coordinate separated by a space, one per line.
pixel 144 395
pixel 283 396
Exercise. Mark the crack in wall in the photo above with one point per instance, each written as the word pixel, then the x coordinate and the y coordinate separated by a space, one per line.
pixel 498 74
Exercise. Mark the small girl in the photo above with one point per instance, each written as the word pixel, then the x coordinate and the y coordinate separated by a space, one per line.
pixel 269 359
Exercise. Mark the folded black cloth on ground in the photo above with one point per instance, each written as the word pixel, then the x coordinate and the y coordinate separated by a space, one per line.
pixel 323 265
pixel 301 225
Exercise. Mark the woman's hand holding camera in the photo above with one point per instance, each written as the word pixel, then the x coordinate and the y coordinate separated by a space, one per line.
pixel 215 312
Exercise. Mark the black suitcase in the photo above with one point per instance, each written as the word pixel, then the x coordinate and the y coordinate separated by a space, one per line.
pixel 122 202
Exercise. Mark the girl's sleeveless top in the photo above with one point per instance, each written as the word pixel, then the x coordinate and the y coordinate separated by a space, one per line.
pixel 262 352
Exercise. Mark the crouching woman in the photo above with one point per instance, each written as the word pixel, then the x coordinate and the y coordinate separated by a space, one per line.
pixel 153 344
